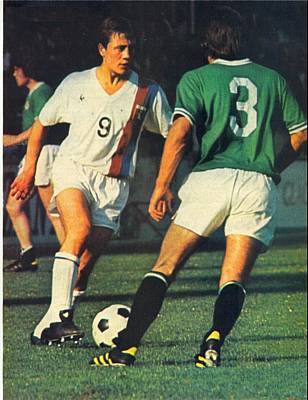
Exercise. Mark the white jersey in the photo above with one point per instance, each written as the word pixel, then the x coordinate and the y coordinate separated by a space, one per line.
pixel 97 119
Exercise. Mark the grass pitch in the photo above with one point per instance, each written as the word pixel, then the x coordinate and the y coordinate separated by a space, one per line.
pixel 264 358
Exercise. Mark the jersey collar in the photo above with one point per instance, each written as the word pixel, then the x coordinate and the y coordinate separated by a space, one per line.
pixel 35 87
pixel 233 62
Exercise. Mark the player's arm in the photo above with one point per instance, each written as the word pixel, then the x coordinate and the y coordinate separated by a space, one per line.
pixel 22 185
pixel 50 114
pixel 295 121
pixel 38 103
pixel 291 151
pixel 12 140
pixel 174 149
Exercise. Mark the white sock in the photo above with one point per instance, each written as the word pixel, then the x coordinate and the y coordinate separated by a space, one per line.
pixel 64 277
pixel 23 251
pixel 77 295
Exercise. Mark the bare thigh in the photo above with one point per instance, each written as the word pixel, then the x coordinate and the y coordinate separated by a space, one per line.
pixel 46 193
pixel 76 219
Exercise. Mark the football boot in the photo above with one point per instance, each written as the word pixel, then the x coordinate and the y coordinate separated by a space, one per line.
pixel 26 262
pixel 60 332
pixel 209 356
pixel 116 358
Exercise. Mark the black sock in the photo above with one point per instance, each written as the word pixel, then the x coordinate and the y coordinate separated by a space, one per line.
pixel 146 306
pixel 227 309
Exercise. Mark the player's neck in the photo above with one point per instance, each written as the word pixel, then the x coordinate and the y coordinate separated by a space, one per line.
pixel 31 83
pixel 210 59
pixel 110 81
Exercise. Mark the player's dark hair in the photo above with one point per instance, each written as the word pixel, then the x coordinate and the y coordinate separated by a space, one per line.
pixel 223 35
pixel 31 63
pixel 113 25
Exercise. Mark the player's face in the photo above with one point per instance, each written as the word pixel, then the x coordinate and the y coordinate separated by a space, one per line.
pixel 118 55
pixel 20 77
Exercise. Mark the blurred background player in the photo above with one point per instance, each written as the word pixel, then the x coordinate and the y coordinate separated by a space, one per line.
pixel 107 108
pixel 26 74
pixel 250 129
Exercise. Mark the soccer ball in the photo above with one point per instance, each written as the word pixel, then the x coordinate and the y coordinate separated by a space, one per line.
pixel 108 323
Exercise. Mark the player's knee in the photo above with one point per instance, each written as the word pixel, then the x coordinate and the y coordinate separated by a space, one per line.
pixel 13 209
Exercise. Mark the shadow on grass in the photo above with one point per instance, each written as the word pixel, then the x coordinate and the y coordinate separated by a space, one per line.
pixel 86 344
pixel 176 295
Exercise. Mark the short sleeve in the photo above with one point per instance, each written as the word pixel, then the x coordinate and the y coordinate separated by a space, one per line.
pixel 40 98
pixel 293 116
pixel 56 110
pixel 189 101
pixel 158 118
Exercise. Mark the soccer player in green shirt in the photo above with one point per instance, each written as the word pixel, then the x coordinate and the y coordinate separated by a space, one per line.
pixel 250 128
pixel 26 74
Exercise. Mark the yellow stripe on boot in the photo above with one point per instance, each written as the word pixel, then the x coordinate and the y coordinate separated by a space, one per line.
pixel 132 351
pixel 214 335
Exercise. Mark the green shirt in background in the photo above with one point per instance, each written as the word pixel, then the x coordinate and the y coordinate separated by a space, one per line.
pixel 242 112
pixel 35 101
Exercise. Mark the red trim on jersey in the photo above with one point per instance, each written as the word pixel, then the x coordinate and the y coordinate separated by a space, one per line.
pixel 117 158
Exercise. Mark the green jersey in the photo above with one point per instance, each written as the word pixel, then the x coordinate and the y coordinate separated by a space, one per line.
pixel 242 112
pixel 35 101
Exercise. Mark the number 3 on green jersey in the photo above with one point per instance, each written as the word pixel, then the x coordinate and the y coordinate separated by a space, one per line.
pixel 244 106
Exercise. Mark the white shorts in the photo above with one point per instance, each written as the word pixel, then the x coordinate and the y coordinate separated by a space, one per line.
pixel 244 200
pixel 106 196
pixel 43 166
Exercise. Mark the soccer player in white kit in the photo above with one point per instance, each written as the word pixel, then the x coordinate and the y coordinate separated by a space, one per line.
pixel 107 108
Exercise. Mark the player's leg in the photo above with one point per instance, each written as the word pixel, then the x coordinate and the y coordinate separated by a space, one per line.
pixel 96 243
pixel 27 260
pixel 184 235
pixel 249 229
pixel 70 203
pixel 240 256
pixel 110 199
pixel 177 246
pixel 43 181
pixel 45 193
pixel 202 210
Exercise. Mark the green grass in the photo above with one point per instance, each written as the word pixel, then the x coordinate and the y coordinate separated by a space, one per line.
pixel 264 358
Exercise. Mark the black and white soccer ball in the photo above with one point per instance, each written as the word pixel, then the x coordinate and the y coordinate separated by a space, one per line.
pixel 108 323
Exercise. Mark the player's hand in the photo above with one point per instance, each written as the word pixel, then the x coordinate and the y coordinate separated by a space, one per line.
pixel 22 186
pixel 160 203
pixel 9 140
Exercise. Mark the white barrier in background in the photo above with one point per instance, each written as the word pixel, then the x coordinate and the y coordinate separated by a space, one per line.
pixel 292 205
pixel 292 200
